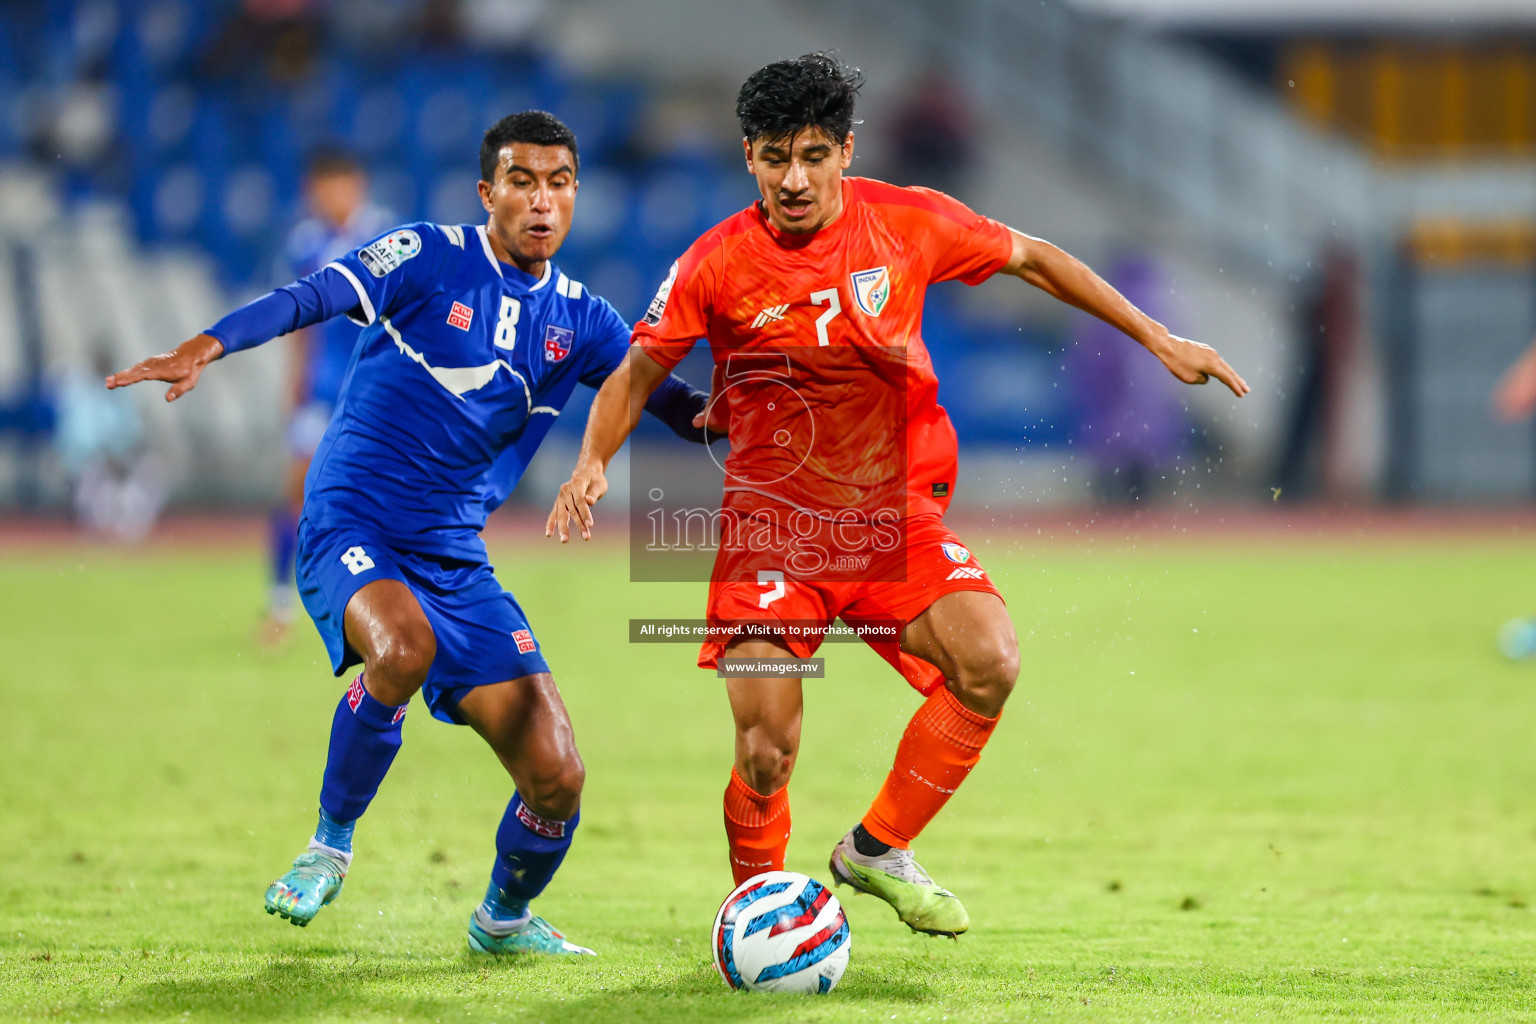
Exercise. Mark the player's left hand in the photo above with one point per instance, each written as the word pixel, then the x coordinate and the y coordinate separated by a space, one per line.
pixel 180 367
pixel 1194 363
pixel 575 500
pixel 715 420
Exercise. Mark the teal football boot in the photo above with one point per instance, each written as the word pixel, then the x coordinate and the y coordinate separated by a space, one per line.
pixel 314 881
pixel 535 935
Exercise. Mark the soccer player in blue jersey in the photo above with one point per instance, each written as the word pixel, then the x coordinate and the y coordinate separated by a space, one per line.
pixel 340 219
pixel 473 343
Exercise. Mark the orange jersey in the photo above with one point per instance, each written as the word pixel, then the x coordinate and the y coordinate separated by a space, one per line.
pixel 832 396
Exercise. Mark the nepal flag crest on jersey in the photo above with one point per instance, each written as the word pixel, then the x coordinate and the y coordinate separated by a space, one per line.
pixel 871 288
pixel 557 343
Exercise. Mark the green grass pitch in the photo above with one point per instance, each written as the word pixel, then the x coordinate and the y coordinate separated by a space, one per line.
pixel 1257 780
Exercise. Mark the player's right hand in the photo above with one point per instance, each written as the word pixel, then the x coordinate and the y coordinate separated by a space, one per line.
pixel 575 500
pixel 1196 363
pixel 180 367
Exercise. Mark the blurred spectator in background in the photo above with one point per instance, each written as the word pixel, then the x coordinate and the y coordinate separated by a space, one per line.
pixel 441 24
pixel 1515 396
pixel 1514 399
pixel 118 482
pixel 387 25
pixel 274 38
pixel 1329 332
pixel 1131 421
pixel 340 219
pixel 933 135
pixel 505 25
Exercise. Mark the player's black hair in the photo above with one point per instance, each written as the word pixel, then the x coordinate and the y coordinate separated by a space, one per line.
pixel 813 91
pixel 328 160
pixel 538 127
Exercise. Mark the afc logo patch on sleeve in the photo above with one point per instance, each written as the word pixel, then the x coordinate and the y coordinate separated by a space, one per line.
pixel 525 642
pixel 659 303
pixel 460 316
pixel 390 251
pixel 557 343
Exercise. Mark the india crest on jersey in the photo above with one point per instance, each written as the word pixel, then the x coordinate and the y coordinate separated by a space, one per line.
pixel 955 552
pixel 871 288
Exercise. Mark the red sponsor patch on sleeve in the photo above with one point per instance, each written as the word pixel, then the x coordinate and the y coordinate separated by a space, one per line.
pixel 460 316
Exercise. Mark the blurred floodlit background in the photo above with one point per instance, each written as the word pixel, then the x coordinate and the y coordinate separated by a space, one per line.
pixel 1339 196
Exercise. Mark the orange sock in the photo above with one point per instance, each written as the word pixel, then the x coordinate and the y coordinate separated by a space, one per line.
pixel 940 747
pixel 757 827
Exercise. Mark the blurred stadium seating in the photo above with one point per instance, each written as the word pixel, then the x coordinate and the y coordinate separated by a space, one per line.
pixel 150 154
pixel 155 166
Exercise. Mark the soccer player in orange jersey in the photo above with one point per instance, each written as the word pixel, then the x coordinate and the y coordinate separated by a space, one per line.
pixel 842 462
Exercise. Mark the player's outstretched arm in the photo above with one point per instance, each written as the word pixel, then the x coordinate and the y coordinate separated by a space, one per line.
pixel 1069 279
pixel 1515 395
pixel 307 301
pixel 180 367
pixel 615 411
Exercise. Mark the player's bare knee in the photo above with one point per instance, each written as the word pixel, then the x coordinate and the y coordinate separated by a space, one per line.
pixel 400 662
pixel 986 671
pixel 405 663
pixel 765 764
pixel 556 794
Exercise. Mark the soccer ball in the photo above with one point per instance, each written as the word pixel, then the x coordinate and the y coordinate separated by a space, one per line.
pixel 781 931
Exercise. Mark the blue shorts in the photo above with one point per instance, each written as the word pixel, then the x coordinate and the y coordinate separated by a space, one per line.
pixel 483 637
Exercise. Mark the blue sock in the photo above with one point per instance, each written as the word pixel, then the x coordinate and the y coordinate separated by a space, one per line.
pixel 529 850
pixel 282 542
pixel 335 834
pixel 498 906
pixel 365 735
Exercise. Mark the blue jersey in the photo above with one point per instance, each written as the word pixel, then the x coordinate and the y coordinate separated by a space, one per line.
pixel 461 369
pixel 311 244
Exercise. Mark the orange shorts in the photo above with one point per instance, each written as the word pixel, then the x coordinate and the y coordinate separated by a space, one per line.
pixel 936 563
